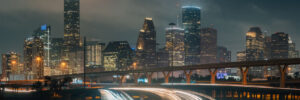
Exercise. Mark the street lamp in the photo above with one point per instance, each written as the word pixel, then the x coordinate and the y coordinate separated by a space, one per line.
pixel 38 61
pixel 13 63
pixel 63 66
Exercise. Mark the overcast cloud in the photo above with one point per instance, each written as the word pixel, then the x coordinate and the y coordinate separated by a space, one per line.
pixel 109 20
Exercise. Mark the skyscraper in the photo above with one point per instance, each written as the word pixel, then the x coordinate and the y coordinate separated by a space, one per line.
pixel 44 32
pixel 191 17
pixel 280 45
pixel 73 49
pixel 175 45
pixel 255 50
pixel 72 24
pixel 56 55
pixel 117 56
pixel 254 44
pixel 279 50
pixel 94 56
pixel 10 66
pixel 33 58
pixel 208 46
pixel 146 45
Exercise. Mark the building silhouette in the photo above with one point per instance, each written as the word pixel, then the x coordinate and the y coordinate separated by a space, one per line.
pixel 146 45
pixel 117 56
pixel 191 21
pixel 208 45
pixel 255 50
pixel 94 56
pixel 73 46
pixel 175 45
pixel 33 58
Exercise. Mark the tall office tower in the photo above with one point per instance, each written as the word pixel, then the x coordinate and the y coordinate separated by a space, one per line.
pixel 267 47
pixel 175 45
pixel 208 46
pixel 10 66
pixel 33 58
pixel 293 53
pixel 223 54
pixel 146 45
pixel 162 57
pixel 94 56
pixel 191 17
pixel 280 45
pixel 56 55
pixel 279 50
pixel 241 56
pixel 44 32
pixel 117 56
pixel 255 50
pixel 72 24
pixel 73 50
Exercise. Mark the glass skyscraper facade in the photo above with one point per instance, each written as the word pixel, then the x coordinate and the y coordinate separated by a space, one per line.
pixel 255 50
pixel 191 17
pixel 208 46
pixel 146 45
pixel 73 46
pixel 117 56
pixel 175 45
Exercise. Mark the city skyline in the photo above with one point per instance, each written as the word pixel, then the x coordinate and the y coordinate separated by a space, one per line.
pixel 93 19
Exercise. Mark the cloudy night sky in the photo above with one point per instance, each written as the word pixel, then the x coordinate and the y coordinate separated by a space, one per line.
pixel 109 20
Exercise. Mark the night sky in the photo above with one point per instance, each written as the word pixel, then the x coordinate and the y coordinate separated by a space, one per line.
pixel 109 20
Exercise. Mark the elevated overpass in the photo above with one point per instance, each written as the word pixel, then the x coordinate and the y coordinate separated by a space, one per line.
pixel 282 65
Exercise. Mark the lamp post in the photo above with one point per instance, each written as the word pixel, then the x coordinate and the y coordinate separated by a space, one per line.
pixel 63 66
pixel 13 69
pixel 39 67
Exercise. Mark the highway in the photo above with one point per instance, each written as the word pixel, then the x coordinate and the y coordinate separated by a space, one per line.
pixel 144 93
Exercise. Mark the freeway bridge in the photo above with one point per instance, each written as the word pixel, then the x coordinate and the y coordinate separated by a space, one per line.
pixel 244 66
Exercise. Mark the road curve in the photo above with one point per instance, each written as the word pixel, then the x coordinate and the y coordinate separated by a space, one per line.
pixel 167 94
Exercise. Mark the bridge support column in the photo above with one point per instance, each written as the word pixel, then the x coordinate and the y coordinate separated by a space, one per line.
pixel 282 70
pixel 149 76
pixel 167 75
pixel 188 75
pixel 136 76
pixel 244 72
pixel 122 79
pixel 213 73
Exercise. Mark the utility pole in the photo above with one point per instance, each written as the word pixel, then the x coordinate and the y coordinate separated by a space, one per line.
pixel 84 56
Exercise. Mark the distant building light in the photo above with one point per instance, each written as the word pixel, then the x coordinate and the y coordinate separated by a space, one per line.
pixel 148 18
pixel 191 7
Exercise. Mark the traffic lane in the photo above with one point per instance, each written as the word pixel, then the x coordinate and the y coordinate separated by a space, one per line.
pixel 169 94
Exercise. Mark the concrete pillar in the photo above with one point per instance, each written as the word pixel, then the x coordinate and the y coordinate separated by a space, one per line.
pixel 213 74
pixel 282 75
pixel 188 76
pixel 167 75
pixel 149 76
pixel 122 79
pixel 244 72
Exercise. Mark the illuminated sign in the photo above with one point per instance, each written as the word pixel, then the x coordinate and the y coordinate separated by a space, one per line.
pixel 44 27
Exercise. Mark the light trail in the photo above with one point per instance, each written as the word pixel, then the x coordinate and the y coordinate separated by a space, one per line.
pixel 231 85
pixel 18 90
pixel 168 94
pixel 111 95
